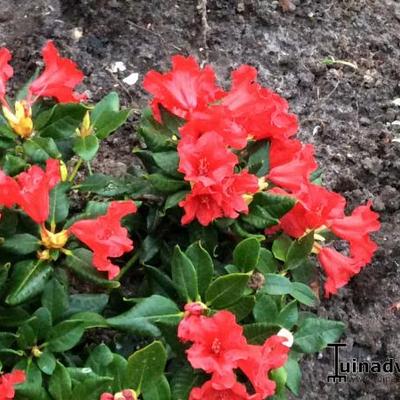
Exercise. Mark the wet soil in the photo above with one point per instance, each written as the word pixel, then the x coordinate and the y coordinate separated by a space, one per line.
pixel 345 110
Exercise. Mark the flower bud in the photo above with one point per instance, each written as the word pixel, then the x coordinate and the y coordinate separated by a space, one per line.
pixel 21 122
pixel 52 240
pixel 86 129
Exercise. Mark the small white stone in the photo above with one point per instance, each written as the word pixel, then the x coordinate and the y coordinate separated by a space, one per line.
pixel 117 66
pixel 77 33
pixel 396 102
pixel 287 335
pixel 131 79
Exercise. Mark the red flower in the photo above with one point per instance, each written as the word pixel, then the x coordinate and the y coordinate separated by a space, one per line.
pixel 338 268
pixel 126 394
pixel 59 78
pixel 183 90
pixel 7 383
pixel 218 346
pixel 34 190
pixel 295 173
pixel 207 160
pixel 189 324
pixel 209 392
pixel 9 190
pixel 105 236
pixel 234 189
pixel 261 360
pixel 203 203
pixel 315 207
pixel 218 121
pixel 6 71
pixel 283 150
pixel 262 113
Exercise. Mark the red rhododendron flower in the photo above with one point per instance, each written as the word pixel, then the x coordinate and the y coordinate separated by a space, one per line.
pixel 6 71
pixel 209 392
pixel 295 173
pixel 7 383
pixel 189 324
pixel 126 394
pixel 338 268
pixel 264 114
pixel 314 208
pixel 217 120
pixel 218 346
pixel 59 78
pixel 207 160
pixel 34 190
pixel 183 90
pixel 9 190
pixel 261 360
pixel 234 189
pixel 283 150
pixel 105 236
pixel 360 223
pixel 203 203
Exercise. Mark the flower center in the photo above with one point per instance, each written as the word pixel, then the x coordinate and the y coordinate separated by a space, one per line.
pixel 52 240
pixel 203 166
pixel 216 346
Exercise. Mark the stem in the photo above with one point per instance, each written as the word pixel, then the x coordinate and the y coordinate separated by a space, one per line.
pixel 128 265
pixel 75 170
pixel 89 167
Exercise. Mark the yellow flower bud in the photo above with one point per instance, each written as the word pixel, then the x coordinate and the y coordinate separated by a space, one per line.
pixel 43 255
pixel 63 171
pixel 52 240
pixel 36 352
pixel 86 128
pixel 21 122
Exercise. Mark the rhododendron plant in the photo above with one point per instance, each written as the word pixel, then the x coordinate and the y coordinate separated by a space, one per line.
pixel 202 256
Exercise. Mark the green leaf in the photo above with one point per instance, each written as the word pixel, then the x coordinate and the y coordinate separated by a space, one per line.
pixel 91 388
pixel 55 298
pixel 164 184
pixel 39 149
pixel 107 116
pixel 303 294
pixel 60 384
pixel 315 334
pixel 82 302
pixel 258 332
pixel 80 262
pixel 146 366
pixel 47 363
pixel 59 203
pixel 99 359
pixel 142 319
pixel 203 264
pixel 247 254
pixel 105 185
pixel 28 279
pixel 89 320
pixel 174 199
pixel 32 386
pixel 65 336
pixel 168 162
pixel 299 251
pixel 277 284
pixel 21 243
pixel 281 246
pixel 184 276
pixel 61 121
pixel 86 147
pixel 4 269
pixel 183 380
pixel 289 315
pixel 265 309
pixel 243 307
pixel 267 262
pixel 226 290
pixel 159 390
pixel 293 376
pixel 13 165
pixel 163 280
pixel 258 163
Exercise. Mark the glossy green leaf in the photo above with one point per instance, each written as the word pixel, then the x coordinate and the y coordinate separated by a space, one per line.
pixel 55 298
pixel 303 294
pixel 39 149
pixel 86 147
pixel 299 251
pixel 65 336
pixel 277 284
pixel 246 254
pixel 21 243
pixel 60 384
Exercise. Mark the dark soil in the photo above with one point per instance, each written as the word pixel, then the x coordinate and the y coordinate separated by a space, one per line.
pixel 345 111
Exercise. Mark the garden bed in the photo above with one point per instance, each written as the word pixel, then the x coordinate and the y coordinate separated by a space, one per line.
pixel 345 111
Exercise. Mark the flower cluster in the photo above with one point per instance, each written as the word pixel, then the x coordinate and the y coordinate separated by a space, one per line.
pixel 104 235
pixel 7 383
pixel 220 348
pixel 58 80
pixel 219 125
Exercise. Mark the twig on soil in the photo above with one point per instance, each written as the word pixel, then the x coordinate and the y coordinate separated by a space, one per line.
pixel 154 33
pixel 202 7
